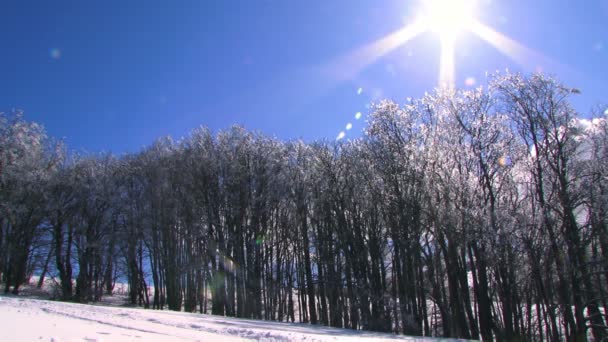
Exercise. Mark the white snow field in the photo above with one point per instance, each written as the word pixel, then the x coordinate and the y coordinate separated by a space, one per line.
pixel 28 319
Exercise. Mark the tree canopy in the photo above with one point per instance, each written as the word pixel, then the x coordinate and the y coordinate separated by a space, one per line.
pixel 472 213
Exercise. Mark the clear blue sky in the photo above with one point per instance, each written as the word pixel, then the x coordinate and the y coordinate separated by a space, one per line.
pixel 115 75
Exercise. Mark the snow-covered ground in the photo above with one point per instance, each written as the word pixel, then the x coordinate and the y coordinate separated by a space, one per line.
pixel 29 319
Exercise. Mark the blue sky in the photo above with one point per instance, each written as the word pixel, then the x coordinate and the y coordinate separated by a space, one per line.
pixel 115 75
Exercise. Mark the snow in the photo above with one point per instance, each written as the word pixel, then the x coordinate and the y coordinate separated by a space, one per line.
pixel 28 319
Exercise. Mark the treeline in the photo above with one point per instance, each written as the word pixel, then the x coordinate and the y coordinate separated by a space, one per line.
pixel 472 214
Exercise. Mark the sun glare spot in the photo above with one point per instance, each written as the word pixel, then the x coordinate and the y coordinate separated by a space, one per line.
pixel 606 111
pixel 358 115
pixel 340 136
pixel 349 126
pixel 359 91
pixel 502 161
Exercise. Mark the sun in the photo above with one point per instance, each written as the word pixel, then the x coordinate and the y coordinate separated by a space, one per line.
pixel 447 18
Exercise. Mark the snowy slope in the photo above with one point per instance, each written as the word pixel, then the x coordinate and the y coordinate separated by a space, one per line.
pixel 26 319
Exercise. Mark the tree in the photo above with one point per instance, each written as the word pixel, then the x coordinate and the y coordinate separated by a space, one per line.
pixel 467 214
pixel 27 161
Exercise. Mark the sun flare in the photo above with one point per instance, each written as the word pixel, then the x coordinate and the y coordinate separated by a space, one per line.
pixel 446 19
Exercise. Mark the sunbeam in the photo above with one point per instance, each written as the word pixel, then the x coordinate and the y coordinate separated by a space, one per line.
pixel 519 53
pixel 348 66
pixel 447 69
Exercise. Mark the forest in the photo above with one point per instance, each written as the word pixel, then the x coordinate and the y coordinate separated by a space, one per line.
pixel 479 213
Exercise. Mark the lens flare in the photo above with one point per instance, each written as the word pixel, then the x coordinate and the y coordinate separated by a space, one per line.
pixel 55 53
pixel 470 81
